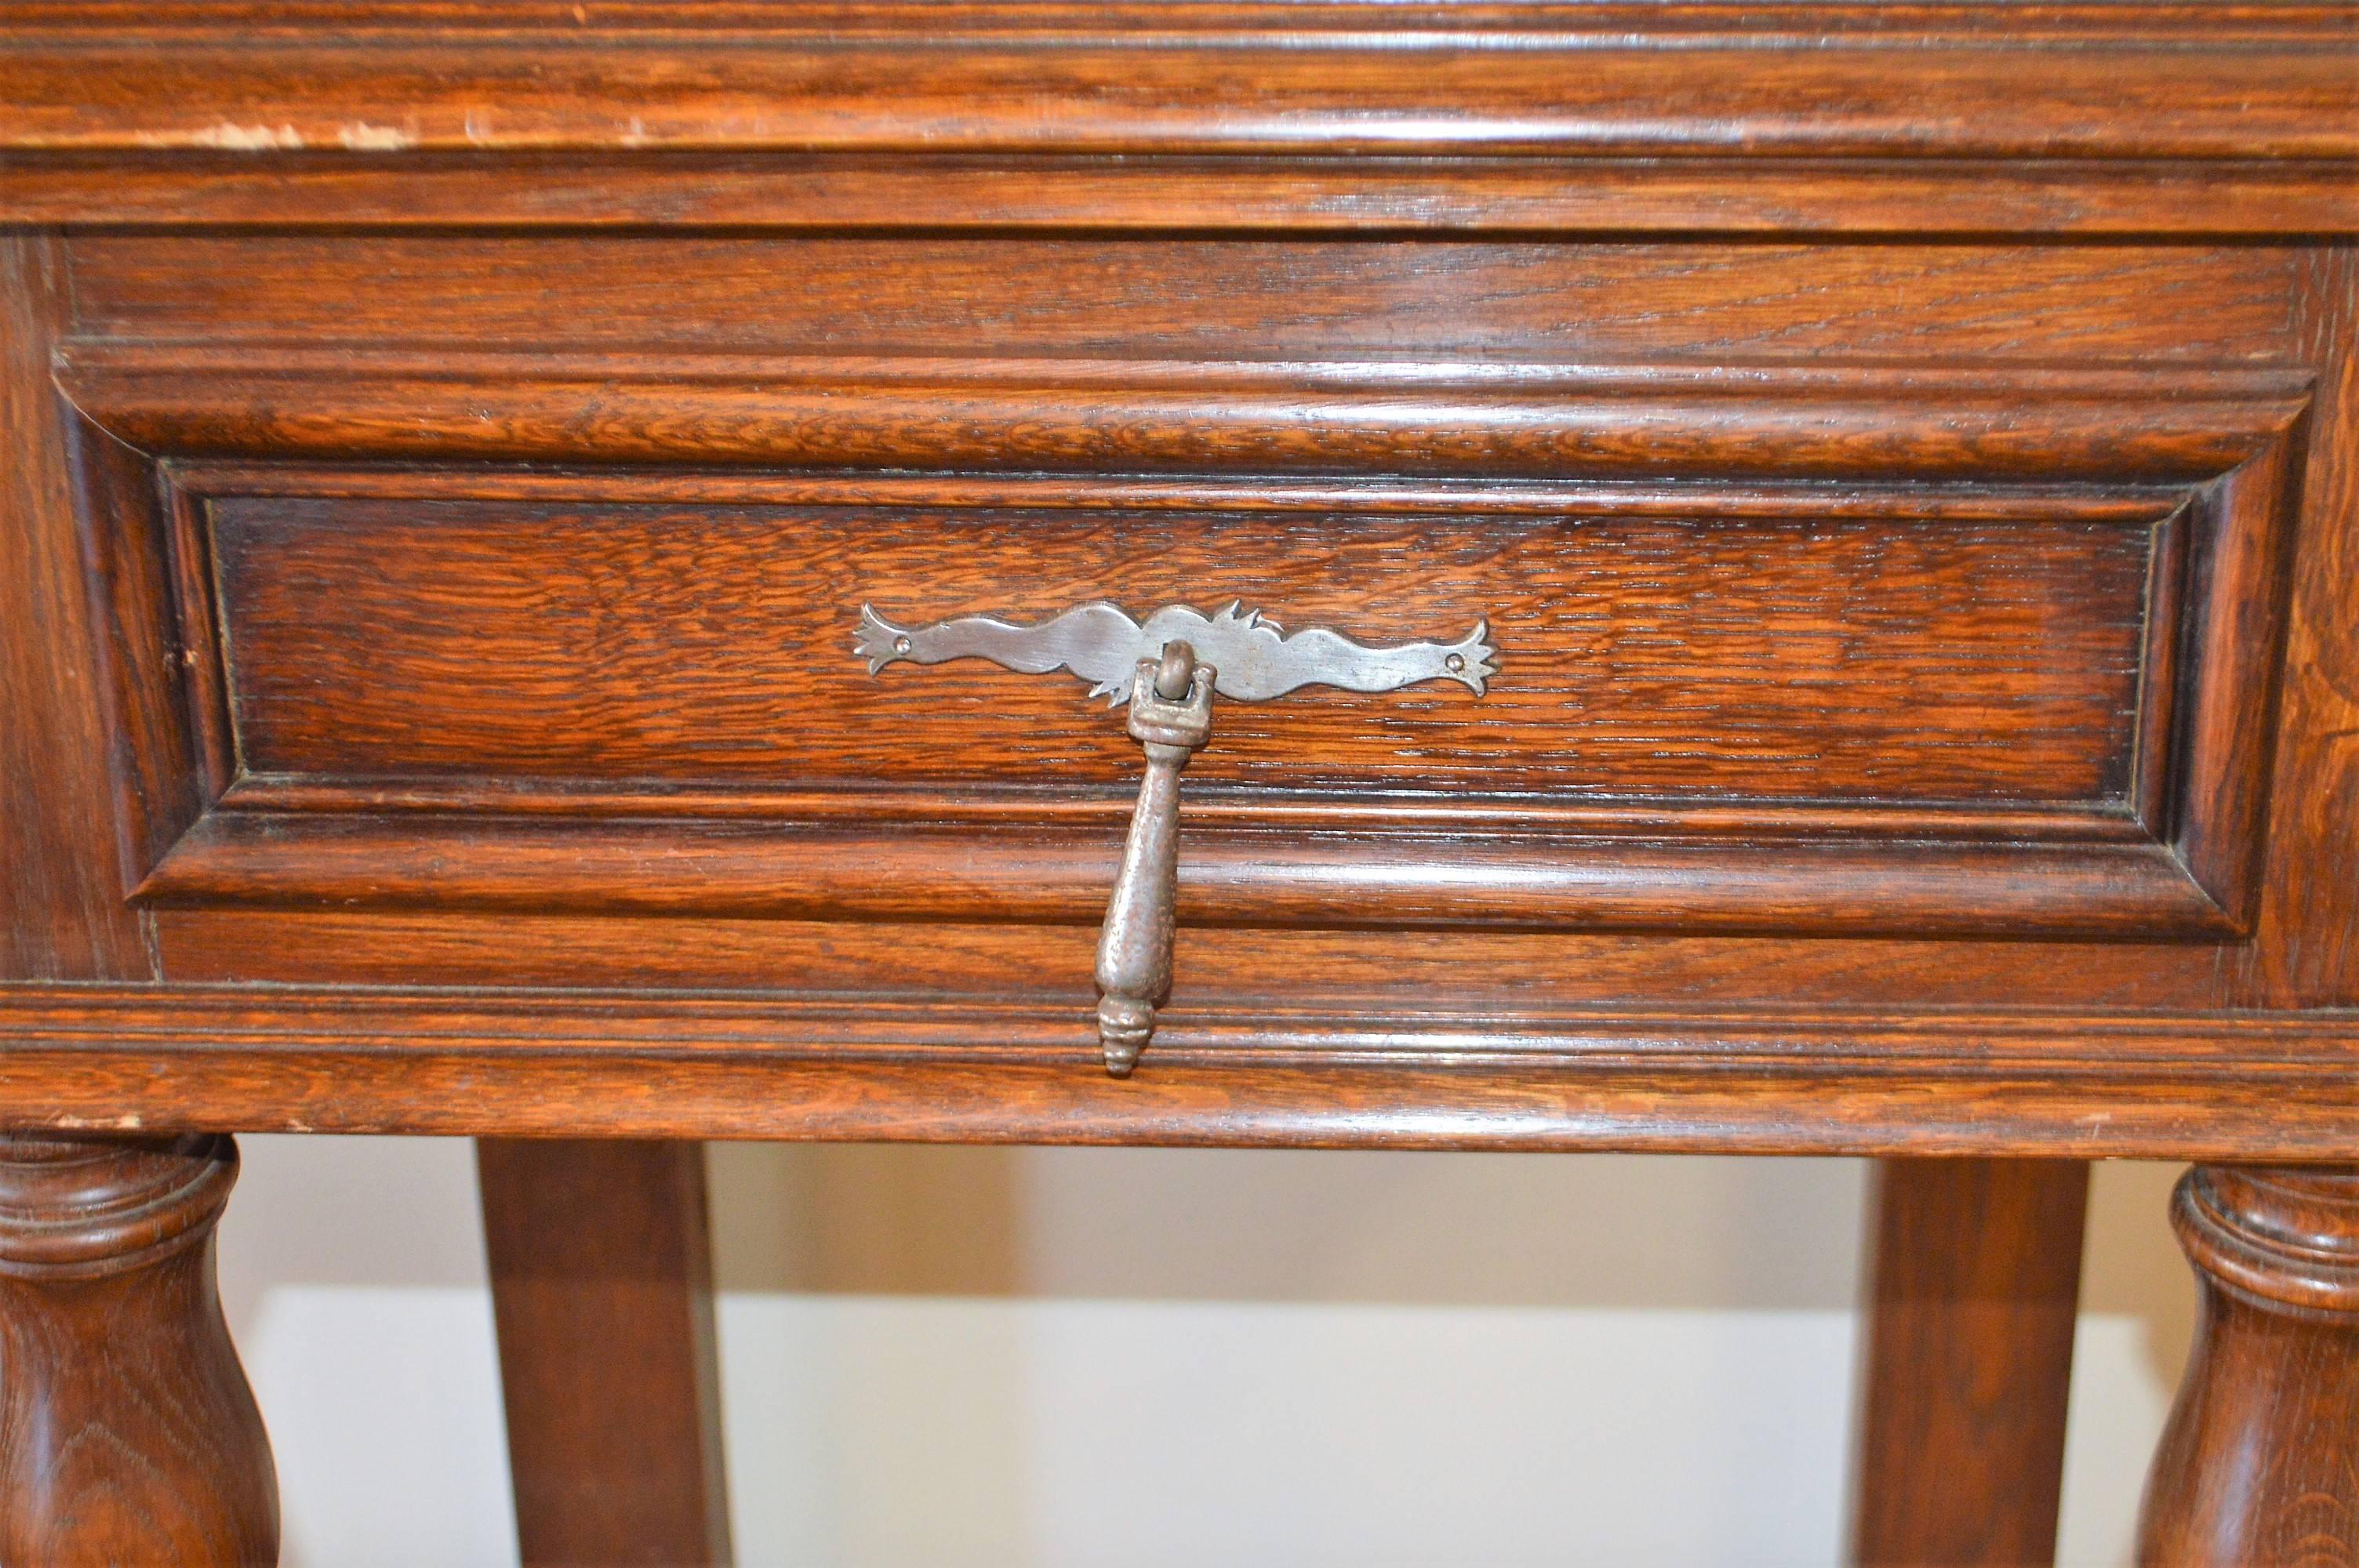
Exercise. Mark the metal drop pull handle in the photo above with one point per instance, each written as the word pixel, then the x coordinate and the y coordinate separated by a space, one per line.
pixel 1172 716
pixel 1168 669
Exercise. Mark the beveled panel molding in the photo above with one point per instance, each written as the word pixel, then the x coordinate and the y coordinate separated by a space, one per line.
pixel 1460 415
pixel 2192 470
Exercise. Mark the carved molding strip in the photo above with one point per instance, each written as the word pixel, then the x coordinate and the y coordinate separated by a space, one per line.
pixel 1818 421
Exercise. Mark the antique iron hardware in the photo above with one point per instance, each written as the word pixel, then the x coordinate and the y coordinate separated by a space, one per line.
pixel 1168 669
pixel 1171 717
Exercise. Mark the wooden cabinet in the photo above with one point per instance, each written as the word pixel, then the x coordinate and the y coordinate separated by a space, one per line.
pixel 1897 463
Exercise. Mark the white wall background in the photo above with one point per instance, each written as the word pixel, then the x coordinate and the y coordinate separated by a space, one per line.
pixel 1068 1357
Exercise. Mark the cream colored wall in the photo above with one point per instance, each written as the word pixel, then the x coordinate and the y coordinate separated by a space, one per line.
pixel 1071 1357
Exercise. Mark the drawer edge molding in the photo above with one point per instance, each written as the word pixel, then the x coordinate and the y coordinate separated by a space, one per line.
pixel 1519 420
pixel 1241 877
pixel 2202 1084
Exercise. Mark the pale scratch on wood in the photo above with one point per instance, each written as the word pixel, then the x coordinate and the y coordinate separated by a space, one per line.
pixel 362 136
pixel 228 136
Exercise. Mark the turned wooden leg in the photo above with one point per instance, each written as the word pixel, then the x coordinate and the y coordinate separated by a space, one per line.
pixel 127 1432
pixel 2259 1464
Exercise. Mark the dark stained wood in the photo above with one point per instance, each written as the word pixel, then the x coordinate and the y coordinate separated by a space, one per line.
pixel 2223 725
pixel 602 1290
pixel 61 910
pixel 1911 446
pixel 1974 1284
pixel 959 1069
pixel 2308 951
pixel 902 868
pixel 579 89
pixel 157 643
pixel 1945 20
pixel 127 1432
pixel 2230 532
pixel 1471 968
pixel 2201 709
pixel 2259 1463
pixel 124 114
pixel 1902 198
pixel 1482 417
pixel 1810 659
pixel 1197 297
pixel 841 116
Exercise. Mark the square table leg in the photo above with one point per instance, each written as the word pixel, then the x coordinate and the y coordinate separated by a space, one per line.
pixel 1974 1287
pixel 602 1290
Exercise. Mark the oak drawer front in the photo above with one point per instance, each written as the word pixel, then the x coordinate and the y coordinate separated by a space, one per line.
pixel 1880 703
pixel 1822 643
pixel 1956 665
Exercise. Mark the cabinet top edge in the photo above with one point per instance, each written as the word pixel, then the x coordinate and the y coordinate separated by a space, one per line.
pixel 1668 20
pixel 395 96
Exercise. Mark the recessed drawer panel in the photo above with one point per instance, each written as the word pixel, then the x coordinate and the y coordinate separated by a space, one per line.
pixel 1737 647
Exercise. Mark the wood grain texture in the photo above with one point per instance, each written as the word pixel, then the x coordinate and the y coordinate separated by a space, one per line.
pixel 577 90
pixel 1974 1285
pixel 2232 651
pixel 61 872
pixel 909 869
pixel 127 1432
pixel 1468 969
pixel 1396 282
pixel 2259 1462
pixel 1460 415
pixel 2309 953
pixel 602 1291
pixel 1952 21
pixel 2093 868
pixel 1227 116
pixel 1680 118
pixel 157 642
pixel 1765 1081
pixel 1194 297
pixel 1930 423
pixel 1814 659
pixel 1905 199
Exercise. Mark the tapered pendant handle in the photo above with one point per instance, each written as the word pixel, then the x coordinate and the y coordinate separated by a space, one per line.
pixel 1134 970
